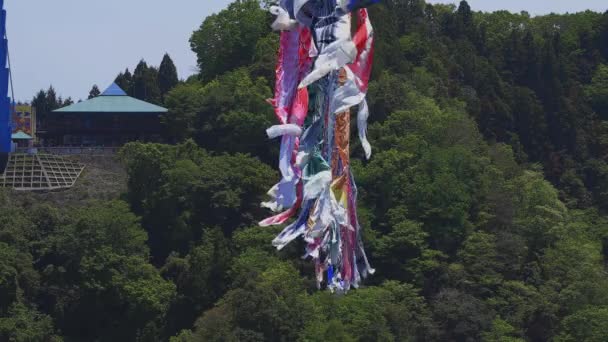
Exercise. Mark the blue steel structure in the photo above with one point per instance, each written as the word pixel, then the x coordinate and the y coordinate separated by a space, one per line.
pixel 5 101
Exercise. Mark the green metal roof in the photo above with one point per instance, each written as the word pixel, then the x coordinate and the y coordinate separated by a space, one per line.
pixel 113 100
pixel 21 136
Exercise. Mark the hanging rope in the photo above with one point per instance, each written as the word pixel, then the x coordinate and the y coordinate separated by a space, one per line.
pixel 10 69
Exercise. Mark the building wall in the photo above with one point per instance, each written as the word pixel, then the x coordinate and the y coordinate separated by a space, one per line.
pixel 100 129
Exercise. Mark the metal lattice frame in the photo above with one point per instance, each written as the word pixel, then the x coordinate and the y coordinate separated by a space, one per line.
pixel 40 172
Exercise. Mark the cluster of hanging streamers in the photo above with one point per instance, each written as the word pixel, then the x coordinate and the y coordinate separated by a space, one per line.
pixel 322 73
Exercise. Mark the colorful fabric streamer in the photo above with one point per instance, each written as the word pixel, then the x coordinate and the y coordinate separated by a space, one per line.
pixel 291 107
pixel 313 105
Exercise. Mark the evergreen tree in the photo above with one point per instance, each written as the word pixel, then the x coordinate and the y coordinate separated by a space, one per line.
pixel 145 83
pixel 51 99
pixel 39 102
pixel 603 36
pixel 464 21
pixel 94 92
pixel 125 81
pixel 167 75
pixel 531 74
pixel 597 91
pixel 45 102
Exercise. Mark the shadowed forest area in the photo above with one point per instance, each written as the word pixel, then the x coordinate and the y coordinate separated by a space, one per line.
pixel 484 205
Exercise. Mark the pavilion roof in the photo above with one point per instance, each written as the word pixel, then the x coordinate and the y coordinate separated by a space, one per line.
pixel 21 136
pixel 112 100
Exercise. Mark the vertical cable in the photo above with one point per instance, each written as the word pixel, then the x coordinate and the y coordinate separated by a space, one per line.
pixel 10 73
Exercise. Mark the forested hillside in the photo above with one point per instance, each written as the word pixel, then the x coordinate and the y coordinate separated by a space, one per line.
pixel 484 205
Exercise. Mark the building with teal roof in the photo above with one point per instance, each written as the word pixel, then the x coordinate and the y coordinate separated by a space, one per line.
pixel 111 119
pixel 21 136
pixel 21 139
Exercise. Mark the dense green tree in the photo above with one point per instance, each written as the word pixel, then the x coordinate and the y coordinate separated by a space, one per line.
pixel 577 286
pixel 145 83
pixel 234 115
pixel 388 94
pixel 464 20
pixel 539 215
pixel 97 281
pixel 94 92
pixel 167 75
pixel 26 324
pixel 271 307
pixel 590 325
pixel 479 264
pixel 125 81
pixel 67 102
pixel 404 253
pixel 392 311
pixel 51 99
pixel 229 114
pixel 184 103
pixel 45 101
pixel 598 91
pixel 17 277
pixel 461 316
pixel 228 39
pixel 265 57
pixel 186 189
pixel 501 332
pixel 200 277
pixel 39 102
pixel 522 307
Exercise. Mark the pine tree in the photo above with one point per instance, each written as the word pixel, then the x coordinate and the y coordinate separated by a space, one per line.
pixel 167 75
pixel 603 36
pixel 145 83
pixel 51 99
pixel 531 76
pixel 125 81
pixel 139 87
pixel 464 20
pixel 128 76
pixel 39 102
pixel 94 92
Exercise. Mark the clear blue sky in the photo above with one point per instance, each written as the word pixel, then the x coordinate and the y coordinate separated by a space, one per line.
pixel 74 44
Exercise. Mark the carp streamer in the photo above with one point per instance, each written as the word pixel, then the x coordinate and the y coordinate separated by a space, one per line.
pixel 322 73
